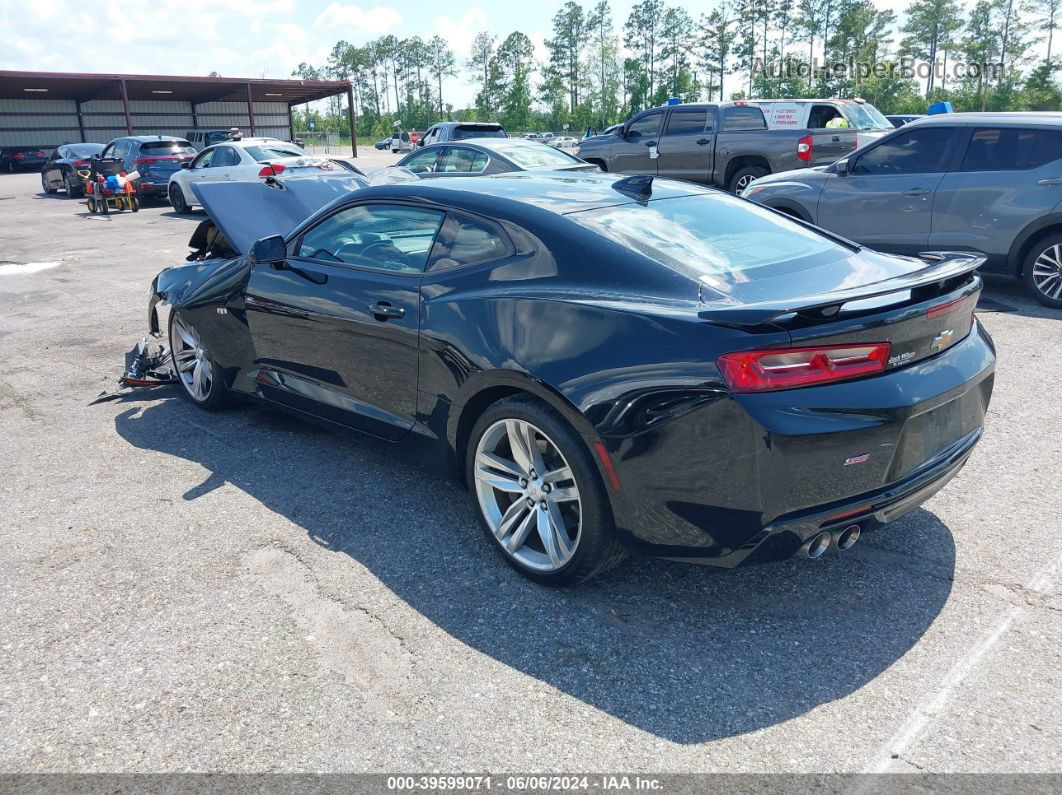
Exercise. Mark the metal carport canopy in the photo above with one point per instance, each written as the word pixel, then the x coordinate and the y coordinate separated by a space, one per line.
pixel 83 87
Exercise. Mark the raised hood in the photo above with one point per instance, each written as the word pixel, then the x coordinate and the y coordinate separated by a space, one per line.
pixel 248 211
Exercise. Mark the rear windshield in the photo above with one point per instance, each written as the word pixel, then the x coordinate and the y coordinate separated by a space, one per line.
pixel 167 148
pixel 84 150
pixel 269 152
pixel 540 156
pixel 866 117
pixel 466 131
pixel 708 235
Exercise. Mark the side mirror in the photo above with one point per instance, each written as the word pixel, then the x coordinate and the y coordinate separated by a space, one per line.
pixel 186 164
pixel 269 250
pixel 841 167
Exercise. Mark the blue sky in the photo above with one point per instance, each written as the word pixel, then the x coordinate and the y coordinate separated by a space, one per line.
pixel 258 38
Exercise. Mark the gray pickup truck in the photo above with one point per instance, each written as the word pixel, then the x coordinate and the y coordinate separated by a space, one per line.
pixel 725 144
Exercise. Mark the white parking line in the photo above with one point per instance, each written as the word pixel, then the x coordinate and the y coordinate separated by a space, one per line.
pixel 926 712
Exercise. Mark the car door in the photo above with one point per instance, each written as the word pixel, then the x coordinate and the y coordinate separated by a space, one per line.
pixel 885 201
pixel 685 146
pixel 52 169
pixel 1008 177
pixel 224 165
pixel 635 149
pixel 336 327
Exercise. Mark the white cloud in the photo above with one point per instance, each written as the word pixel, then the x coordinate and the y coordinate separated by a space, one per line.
pixel 460 33
pixel 345 20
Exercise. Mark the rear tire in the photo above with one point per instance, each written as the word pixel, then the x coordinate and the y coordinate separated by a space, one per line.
pixel 177 201
pixel 553 526
pixel 1041 273
pixel 201 379
pixel 743 177
pixel 73 187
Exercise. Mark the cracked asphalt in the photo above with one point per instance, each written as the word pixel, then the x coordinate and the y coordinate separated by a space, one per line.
pixel 182 591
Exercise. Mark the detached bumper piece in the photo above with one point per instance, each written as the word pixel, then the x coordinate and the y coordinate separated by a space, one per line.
pixel 145 367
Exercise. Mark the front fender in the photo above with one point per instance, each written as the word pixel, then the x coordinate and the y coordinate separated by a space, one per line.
pixel 197 284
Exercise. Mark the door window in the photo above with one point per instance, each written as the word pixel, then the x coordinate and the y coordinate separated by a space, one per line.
pixel 686 121
pixel 647 126
pixel 472 242
pixel 224 156
pixel 920 150
pixel 743 118
pixel 378 236
pixel 422 162
pixel 1011 149
pixel 460 160
pixel 205 158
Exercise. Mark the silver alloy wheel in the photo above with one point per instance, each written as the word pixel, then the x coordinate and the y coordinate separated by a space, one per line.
pixel 191 360
pixel 1047 272
pixel 744 182
pixel 524 484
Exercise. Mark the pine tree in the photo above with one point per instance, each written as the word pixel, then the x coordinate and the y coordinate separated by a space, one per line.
pixel 930 26
pixel 642 37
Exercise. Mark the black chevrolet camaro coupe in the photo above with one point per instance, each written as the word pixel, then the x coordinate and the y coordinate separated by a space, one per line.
pixel 610 364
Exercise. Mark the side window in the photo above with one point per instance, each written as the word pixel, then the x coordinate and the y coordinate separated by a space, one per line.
pixel 479 162
pixel 224 156
pixel 456 160
pixel 1011 149
pixel 918 150
pixel 431 135
pixel 379 236
pixel 121 149
pixel 743 118
pixel 820 115
pixel 472 242
pixel 204 159
pixel 686 121
pixel 647 126
pixel 422 162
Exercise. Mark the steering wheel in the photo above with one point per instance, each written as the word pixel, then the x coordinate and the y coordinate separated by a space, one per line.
pixel 388 249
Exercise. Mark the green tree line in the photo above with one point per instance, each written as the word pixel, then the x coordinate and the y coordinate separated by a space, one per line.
pixel 594 72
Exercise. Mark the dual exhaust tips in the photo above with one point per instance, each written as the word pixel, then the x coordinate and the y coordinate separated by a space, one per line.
pixel 818 544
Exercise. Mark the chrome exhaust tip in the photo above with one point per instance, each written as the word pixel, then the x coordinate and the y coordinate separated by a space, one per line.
pixel 846 539
pixel 817 545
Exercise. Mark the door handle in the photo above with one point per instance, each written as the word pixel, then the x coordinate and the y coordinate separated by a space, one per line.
pixel 703 141
pixel 383 310
pixel 1050 181
pixel 916 192
pixel 650 143
pixel 836 139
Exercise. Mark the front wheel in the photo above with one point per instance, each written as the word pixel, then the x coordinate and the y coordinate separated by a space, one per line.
pixel 198 373
pixel 73 186
pixel 1042 273
pixel 743 177
pixel 180 206
pixel 44 184
pixel 538 494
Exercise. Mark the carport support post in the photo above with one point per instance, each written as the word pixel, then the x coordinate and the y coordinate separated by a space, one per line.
pixel 353 122
pixel 291 125
pixel 250 112
pixel 125 109
pixel 80 121
pixel 195 117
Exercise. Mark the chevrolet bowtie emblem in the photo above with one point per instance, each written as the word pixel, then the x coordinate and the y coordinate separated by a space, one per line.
pixel 942 340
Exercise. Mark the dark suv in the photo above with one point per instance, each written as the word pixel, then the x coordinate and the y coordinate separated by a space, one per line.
pixel 987 182
pixel 154 157
pixel 461 131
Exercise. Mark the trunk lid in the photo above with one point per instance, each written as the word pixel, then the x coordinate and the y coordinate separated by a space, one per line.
pixel 248 211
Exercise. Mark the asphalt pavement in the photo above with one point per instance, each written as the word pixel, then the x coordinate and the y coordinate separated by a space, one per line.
pixel 242 591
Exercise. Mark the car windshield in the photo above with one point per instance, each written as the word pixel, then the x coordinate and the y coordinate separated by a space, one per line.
pixel 468 131
pixel 713 236
pixel 84 150
pixel 160 148
pixel 539 156
pixel 867 117
pixel 269 152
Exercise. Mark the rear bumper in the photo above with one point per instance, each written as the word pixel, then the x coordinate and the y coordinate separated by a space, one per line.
pixel 750 478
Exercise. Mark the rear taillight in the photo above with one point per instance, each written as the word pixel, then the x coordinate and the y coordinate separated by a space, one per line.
pixel 805 146
pixel 18 156
pixel 41 154
pixel 274 170
pixel 145 161
pixel 789 368
pixel 81 164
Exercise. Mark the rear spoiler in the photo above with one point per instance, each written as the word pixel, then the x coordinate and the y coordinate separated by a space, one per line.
pixel 943 265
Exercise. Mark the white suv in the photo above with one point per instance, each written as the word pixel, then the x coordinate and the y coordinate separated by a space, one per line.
pixel 238 161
